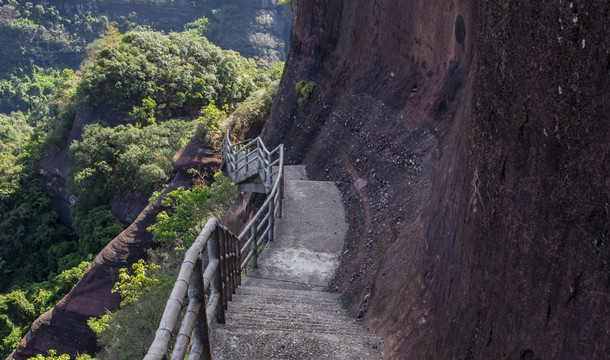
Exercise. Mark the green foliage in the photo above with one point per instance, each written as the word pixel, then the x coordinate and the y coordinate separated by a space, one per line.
pixel 108 161
pixel 181 224
pixel 251 112
pixel 129 332
pixel 19 308
pixel 102 323
pixel 144 114
pixel 255 109
pixel 211 116
pixel 209 123
pixel 29 92
pixel 14 134
pixel 35 246
pixel 43 36
pixel 53 356
pixel 304 90
pixel 132 286
pixel 95 229
pixel 28 216
pixel 198 26
pixel 181 71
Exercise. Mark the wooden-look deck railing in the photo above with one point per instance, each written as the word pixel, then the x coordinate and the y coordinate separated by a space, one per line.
pixel 227 256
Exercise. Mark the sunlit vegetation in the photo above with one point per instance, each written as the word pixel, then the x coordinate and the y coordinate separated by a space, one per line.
pixel 253 111
pixel 190 208
pixel 108 161
pixel 168 88
pixel 20 307
pixel 44 36
pixel 52 355
pixel 146 288
pixel 181 72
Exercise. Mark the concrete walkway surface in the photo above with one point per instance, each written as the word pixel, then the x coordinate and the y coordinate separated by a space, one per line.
pixel 281 311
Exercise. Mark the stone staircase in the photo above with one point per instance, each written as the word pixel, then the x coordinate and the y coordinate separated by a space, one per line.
pixel 281 311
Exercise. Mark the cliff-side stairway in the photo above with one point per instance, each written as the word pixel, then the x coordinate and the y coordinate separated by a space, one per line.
pixel 281 310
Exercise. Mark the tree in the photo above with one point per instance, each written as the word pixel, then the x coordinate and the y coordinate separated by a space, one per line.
pixel 189 208
pixel 198 26
pixel 144 114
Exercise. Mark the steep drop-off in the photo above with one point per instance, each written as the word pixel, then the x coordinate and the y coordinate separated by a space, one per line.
pixel 470 141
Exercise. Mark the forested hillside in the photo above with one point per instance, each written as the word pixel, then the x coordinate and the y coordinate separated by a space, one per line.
pixel 160 89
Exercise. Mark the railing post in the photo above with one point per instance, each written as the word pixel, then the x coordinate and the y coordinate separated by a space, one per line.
pixel 281 171
pixel 237 247
pixel 246 157
pixel 281 199
pixel 224 267
pixel 268 169
pixel 259 158
pixel 216 283
pixel 254 247
pixel 231 263
pixel 271 219
pixel 201 334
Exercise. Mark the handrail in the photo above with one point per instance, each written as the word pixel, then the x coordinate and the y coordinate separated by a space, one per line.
pixel 236 160
pixel 226 258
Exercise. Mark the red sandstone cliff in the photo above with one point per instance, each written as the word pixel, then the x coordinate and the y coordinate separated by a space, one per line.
pixel 471 142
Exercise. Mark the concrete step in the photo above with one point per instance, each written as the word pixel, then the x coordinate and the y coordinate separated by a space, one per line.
pixel 309 236
pixel 245 323
pixel 289 310
pixel 294 172
pixel 303 301
pixel 285 293
pixel 264 344
pixel 253 280
pixel 293 313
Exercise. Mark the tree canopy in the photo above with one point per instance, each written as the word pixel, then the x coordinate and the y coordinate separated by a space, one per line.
pixel 181 72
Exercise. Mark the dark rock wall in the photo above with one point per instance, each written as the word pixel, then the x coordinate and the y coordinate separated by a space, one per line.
pixel 470 141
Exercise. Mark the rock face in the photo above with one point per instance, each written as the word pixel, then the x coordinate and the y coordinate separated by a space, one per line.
pixel 196 155
pixel 470 142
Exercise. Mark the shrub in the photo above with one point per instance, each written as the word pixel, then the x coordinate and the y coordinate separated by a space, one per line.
pixel 132 286
pixel 190 208
pixel 53 356
pixel 304 90
pixel 181 71
pixel 144 114
pixel 20 307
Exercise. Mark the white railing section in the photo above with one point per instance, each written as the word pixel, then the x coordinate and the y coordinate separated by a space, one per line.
pixel 248 158
pixel 228 256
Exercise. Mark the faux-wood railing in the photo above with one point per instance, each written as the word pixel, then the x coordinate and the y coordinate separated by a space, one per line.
pixel 228 255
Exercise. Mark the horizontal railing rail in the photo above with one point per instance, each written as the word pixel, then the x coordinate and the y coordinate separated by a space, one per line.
pixel 238 159
pixel 228 256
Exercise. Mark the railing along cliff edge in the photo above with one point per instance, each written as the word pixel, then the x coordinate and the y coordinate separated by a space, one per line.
pixel 227 256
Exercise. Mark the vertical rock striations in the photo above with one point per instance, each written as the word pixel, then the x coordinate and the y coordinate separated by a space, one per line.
pixel 470 141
